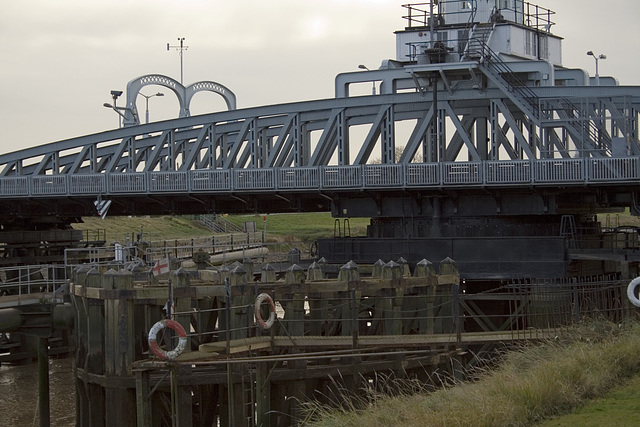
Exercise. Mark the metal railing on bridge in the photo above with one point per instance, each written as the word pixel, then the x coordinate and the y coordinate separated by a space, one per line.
pixel 561 171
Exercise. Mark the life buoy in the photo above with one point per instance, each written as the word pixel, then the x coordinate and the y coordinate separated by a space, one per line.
pixel 182 339
pixel 631 292
pixel 272 312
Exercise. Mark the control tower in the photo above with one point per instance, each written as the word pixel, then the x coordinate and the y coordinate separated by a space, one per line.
pixel 440 31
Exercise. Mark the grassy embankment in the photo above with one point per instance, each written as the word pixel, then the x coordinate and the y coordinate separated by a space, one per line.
pixel 281 227
pixel 598 360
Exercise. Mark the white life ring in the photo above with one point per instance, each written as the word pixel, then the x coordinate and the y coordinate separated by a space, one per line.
pixel 631 292
pixel 272 312
pixel 182 339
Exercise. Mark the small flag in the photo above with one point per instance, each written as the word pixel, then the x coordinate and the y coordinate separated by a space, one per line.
pixel 161 267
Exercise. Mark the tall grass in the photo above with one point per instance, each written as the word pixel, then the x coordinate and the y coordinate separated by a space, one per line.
pixel 529 385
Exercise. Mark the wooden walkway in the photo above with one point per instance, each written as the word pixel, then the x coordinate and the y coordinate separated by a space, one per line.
pixel 226 352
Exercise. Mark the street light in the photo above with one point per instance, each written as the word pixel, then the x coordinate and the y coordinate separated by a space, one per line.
pixel 115 94
pixel 601 56
pixel 373 83
pixel 146 97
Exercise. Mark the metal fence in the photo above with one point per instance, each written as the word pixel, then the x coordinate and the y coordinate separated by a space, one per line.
pixel 27 279
pixel 524 310
pixel 582 171
pixel 149 252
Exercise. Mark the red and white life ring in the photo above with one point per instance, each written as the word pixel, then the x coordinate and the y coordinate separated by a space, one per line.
pixel 631 292
pixel 182 339
pixel 272 312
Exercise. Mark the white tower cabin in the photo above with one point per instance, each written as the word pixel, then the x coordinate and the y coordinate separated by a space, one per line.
pixel 453 31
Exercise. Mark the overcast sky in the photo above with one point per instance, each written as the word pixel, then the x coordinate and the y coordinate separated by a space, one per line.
pixel 60 59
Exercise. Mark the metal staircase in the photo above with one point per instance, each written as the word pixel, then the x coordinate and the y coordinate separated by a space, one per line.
pixel 218 224
pixel 498 71
pixel 477 41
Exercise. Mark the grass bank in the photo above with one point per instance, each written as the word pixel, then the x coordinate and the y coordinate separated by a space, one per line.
pixel 531 385
pixel 305 227
pixel 153 228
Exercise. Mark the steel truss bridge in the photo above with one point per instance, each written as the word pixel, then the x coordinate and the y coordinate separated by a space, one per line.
pixel 304 156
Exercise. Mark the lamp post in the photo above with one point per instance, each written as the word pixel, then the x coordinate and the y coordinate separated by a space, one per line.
pixel 373 83
pixel 146 97
pixel 115 94
pixel 597 58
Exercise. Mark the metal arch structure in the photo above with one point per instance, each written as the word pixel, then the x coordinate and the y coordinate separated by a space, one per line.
pixel 209 86
pixel 184 94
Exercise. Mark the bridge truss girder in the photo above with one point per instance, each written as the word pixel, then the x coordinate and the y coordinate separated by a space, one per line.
pixel 472 125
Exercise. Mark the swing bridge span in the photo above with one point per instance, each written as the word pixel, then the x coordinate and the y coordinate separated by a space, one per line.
pixel 305 156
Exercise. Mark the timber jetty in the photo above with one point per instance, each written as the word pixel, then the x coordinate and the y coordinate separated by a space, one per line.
pixel 242 353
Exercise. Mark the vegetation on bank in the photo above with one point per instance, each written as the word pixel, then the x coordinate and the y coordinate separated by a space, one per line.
pixel 118 228
pixel 532 384
pixel 305 227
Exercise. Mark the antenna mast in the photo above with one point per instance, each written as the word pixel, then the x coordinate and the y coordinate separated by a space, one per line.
pixel 181 49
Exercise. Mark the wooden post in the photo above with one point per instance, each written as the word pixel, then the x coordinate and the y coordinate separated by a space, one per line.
pixel 81 326
pixel 348 273
pixel 263 394
pixel 182 284
pixel 391 300
pixel 119 347
pixel 143 400
pixel 318 304
pixel 294 323
pixel 447 276
pixel 43 382
pixel 94 364
pixel 377 269
pixel 268 274
pixel 181 394
pixel 426 310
